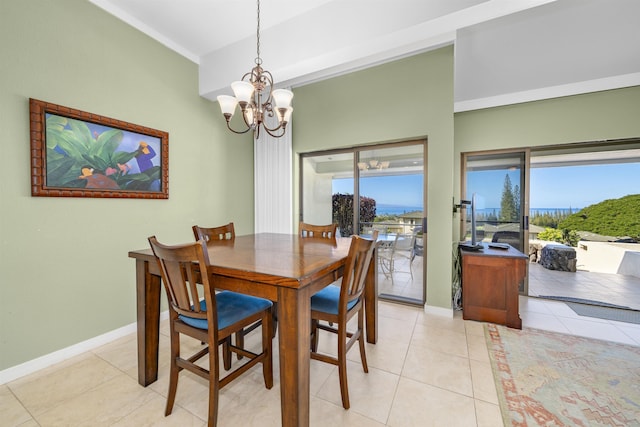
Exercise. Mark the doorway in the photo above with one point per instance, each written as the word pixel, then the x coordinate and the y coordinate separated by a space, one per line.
pixel 375 187
pixel 559 182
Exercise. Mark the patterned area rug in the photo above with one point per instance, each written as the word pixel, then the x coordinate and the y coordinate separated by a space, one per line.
pixel 549 379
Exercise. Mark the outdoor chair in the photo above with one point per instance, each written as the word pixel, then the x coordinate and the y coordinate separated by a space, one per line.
pixel 403 247
pixel 211 318
pixel 338 304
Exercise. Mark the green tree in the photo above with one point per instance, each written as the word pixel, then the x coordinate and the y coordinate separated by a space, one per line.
pixel 342 212
pixel 613 217
pixel 516 201
pixel 508 210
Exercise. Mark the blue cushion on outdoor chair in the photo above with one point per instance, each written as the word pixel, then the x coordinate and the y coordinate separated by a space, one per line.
pixel 327 300
pixel 232 307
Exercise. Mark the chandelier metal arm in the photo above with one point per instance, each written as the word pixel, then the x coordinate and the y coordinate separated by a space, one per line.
pixel 272 132
pixel 228 119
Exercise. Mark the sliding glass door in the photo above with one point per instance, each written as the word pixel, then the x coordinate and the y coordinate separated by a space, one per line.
pixel 498 180
pixel 370 188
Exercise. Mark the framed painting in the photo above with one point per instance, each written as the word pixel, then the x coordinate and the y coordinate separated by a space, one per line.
pixel 80 154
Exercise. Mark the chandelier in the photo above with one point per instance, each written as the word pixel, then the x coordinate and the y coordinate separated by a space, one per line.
pixel 257 99
pixel 373 164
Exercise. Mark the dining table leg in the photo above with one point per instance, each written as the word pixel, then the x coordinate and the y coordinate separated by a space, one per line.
pixel 148 317
pixel 294 318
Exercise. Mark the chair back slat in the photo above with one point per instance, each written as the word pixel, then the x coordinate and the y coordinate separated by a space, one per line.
pixel 211 234
pixel 318 231
pixel 356 268
pixel 180 275
pixel 405 242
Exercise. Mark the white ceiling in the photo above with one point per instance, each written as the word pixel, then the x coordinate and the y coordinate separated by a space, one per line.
pixel 302 40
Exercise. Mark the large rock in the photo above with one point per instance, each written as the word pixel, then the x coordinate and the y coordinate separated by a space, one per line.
pixel 558 257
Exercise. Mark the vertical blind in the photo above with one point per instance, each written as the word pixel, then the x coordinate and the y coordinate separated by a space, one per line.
pixel 273 189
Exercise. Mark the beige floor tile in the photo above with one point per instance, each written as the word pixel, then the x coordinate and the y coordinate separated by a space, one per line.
pixel 421 405
pixel 387 355
pixel 443 340
pixel 488 414
pixel 484 386
pixel 474 328
pixel 399 312
pixel 103 405
pixel 247 402
pixel 151 414
pixel 370 394
pixel 454 324
pixel 477 347
pixel 121 353
pixel 438 369
pixel 12 413
pixel 397 330
pixel 320 372
pixel 46 389
pixel 326 414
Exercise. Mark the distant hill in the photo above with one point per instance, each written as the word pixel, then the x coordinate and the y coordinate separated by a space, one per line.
pixel 613 217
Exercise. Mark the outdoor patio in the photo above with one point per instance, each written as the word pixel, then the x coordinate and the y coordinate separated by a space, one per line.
pixel 609 288
pixel 400 283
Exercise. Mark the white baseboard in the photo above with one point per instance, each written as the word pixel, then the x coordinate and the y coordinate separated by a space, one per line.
pixel 438 311
pixel 58 356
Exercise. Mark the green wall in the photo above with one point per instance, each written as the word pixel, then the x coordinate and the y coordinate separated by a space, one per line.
pixel 64 272
pixel 405 99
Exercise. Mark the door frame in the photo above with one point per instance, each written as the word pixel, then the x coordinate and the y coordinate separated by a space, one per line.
pixel 524 196
pixel 355 150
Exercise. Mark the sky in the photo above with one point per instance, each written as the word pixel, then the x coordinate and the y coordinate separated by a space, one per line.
pixel 560 187
pixel 573 187
pixel 404 190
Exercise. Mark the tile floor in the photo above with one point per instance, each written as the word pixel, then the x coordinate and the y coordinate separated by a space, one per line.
pixel 426 370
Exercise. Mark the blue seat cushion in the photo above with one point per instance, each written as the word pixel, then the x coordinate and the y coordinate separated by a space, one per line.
pixel 232 307
pixel 327 300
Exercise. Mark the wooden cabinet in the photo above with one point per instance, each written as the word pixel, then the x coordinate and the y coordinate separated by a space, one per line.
pixel 490 282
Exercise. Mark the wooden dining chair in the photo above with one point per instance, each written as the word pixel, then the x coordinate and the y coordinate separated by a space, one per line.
pixel 200 313
pixel 223 232
pixel 227 232
pixel 322 231
pixel 338 304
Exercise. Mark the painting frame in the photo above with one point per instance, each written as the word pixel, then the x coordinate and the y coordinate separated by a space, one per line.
pixel 79 154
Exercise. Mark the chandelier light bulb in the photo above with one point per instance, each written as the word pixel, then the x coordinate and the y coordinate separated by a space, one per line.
pixel 282 98
pixel 243 91
pixel 227 104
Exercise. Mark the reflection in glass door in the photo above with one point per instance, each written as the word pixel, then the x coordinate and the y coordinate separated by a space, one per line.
pixel 374 188
pixel 318 173
pixel 498 182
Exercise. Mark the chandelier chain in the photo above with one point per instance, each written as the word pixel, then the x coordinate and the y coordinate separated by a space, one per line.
pixel 258 60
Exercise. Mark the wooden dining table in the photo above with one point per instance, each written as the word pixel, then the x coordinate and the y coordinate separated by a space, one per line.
pixel 283 268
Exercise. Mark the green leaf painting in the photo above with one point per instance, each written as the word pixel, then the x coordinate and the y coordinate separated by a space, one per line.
pixel 87 155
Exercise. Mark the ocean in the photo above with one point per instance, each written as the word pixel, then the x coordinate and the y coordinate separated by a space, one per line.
pixel 384 209
pixel 532 211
